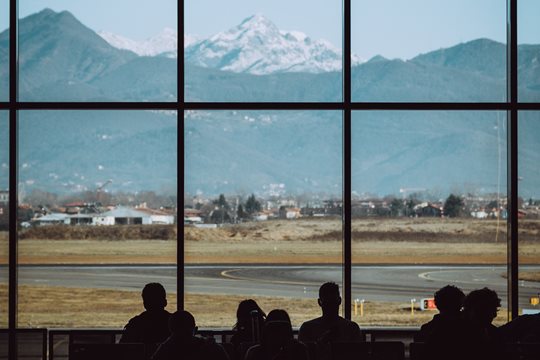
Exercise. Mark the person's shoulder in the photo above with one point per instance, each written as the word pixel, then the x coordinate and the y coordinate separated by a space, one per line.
pixel 348 323
pixel 309 329
pixel 311 323
pixel 137 319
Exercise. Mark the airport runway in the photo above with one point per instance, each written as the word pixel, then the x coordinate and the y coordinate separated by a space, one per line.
pixel 372 283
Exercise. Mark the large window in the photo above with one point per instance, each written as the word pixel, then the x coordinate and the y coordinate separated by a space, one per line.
pixel 4 50
pixel 428 206
pixel 254 51
pixel 85 199
pixel 4 216
pixel 77 51
pixel 528 49
pixel 360 142
pixel 262 200
pixel 429 50
pixel 529 210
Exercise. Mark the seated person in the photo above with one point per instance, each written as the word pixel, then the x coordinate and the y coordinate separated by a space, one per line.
pixel 151 326
pixel 476 337
pixel 183 344
pixel 524 328
pixel 449 301
pixel 277 341
pixel 249 324
pixel 330 327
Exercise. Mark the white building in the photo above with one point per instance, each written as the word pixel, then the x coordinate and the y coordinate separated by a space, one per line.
pixel 53 219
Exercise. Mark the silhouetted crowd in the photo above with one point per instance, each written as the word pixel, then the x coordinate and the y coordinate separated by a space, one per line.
pixel 462 329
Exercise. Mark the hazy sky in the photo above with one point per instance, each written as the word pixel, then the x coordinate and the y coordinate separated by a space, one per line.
pixel 392 28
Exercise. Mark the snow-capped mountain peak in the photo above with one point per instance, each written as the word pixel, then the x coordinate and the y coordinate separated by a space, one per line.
pixel 257 46
pixel 166 42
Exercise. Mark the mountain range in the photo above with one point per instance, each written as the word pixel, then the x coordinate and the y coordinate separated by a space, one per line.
pixel 248 151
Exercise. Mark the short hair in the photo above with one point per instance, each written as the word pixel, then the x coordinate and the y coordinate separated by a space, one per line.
pixel 154 296
pixel 329 291
pixel 482 300
pixel 182 323
pixel 482 305
pixel 449 299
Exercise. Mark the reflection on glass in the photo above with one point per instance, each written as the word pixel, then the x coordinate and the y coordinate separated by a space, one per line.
pixel 4 216
pixel 429 208
pixel 528 51
pixel 75 53
pixel 253 51
pixel 4 50
pixel 529 210
pixel 263 202
pixel 424 50
pixel 96 188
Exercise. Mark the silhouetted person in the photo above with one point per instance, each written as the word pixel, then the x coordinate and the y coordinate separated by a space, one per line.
pixel 330 327
pixel 481 337
pixel 183 344
pixel 524 328
pixel 476 337
pixel 249 324
pixel 277 342
pixel 151 326
pixel 449 301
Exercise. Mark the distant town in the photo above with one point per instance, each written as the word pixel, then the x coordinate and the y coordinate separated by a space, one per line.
pixel 148 208
pixel 91 208
pixel 205 211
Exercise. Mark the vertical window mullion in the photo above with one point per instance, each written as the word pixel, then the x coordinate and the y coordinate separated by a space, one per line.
pixel 180 251
pixel 512 143
pixel 347 173
pixel 13 201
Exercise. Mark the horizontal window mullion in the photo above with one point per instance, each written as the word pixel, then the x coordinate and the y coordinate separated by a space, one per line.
pixel 96 106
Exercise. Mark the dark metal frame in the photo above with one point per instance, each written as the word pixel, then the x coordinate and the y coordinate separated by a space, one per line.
pixel 512 106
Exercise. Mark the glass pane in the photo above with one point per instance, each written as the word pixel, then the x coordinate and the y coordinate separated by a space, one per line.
pixel 429 209
pixel 4 217
pixel 97 192
pixel 77 51
pixel 529 210
pixel 528 51
pixel 254 51
pixel 262 216
pixel 429 50
pixel 4 50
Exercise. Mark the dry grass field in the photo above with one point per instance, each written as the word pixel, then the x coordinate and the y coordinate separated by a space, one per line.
pixel 46 306
pixel 304 241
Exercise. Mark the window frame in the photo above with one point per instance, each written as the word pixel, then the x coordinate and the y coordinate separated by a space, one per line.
pixel 346 105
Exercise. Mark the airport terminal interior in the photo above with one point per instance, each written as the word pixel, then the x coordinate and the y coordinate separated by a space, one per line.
pixel 385 149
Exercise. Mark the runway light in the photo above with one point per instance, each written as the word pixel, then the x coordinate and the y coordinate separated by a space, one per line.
pixel 412 306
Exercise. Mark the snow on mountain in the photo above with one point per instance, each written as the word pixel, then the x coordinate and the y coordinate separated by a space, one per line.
pixel 257 46
pixel 166 42
pixel 190 39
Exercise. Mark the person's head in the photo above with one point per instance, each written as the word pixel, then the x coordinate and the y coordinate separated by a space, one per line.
pixel 278 315
pixel 154 296
pixel 276 333
pixel 245 312
pixel 182 323
pixel 449 299
pixel 481 306
pixel 329 298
